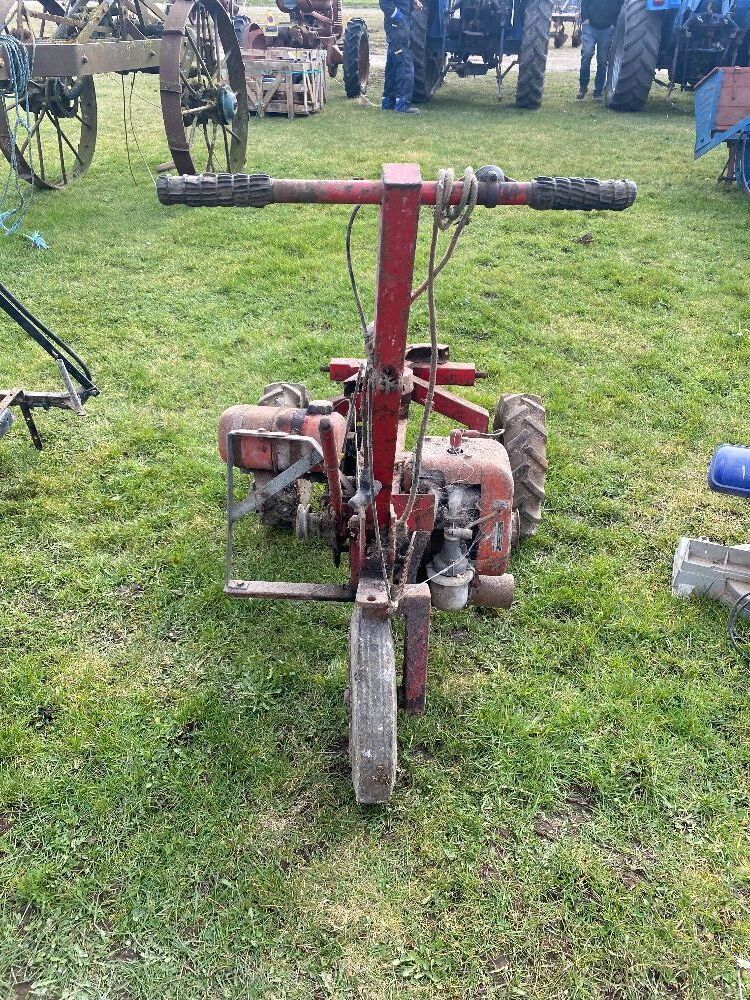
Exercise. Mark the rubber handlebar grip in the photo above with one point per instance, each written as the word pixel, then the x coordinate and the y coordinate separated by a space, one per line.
pixel 216 190
pixel 582 194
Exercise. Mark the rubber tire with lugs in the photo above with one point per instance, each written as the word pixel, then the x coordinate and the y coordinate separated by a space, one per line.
pixel 522 419
pixel 428 55
pixel 532 57
pixel 356 58
pixel 633 57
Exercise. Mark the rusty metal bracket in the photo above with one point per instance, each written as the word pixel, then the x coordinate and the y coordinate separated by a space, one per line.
pixel 252 502
pixel 414 606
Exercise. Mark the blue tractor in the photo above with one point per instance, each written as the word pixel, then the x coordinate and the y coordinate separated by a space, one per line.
pixel 687 38
pixel 471 37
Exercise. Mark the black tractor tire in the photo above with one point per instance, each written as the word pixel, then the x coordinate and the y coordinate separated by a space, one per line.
pixel 532 57
pixel 633 57
pixel 521 418
pixel 428 56
pixel 356 58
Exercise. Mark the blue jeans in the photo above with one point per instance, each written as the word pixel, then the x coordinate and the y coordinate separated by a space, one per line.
pixel 595 40
pixel 399 64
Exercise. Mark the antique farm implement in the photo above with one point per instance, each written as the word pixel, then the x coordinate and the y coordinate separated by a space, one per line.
pixel 432 526
pixel 77 381
pixel 722 114
pixel 48 127
pixel 315 24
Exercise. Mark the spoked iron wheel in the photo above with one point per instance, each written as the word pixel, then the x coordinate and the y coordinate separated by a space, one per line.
pixel 203 95
pixel 58 145
pixel 372 708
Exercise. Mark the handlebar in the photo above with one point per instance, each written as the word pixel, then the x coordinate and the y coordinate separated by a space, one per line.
pixel 258 190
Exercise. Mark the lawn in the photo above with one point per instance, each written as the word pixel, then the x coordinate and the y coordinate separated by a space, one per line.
pixel 571 814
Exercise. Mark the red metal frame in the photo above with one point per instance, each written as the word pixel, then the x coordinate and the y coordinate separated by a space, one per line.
pixel 397 380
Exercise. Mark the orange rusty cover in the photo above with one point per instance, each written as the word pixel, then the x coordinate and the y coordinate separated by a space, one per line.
pixel 734 101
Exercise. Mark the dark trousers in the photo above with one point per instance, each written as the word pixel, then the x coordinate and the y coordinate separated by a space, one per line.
pixel 595 40
pixel 399 64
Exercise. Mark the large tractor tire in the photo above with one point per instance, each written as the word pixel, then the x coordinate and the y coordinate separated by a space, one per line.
pixel 633 57
pixel 522 420
pixel 356 58
pixel 532 57
pixel 429 57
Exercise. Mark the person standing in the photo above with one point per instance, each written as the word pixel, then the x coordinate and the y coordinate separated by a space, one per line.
pixel 598 19
pixel 398 88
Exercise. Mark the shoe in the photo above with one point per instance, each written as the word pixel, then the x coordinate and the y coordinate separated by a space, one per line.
pixel 581 94
pixel 597 96
pixel 388 104
pixel 406 108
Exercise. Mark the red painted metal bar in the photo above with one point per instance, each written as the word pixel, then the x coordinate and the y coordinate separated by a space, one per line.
pixel 461 410
pixel 397 241
pixel 415 607
pixel 373 192
pixel 448 373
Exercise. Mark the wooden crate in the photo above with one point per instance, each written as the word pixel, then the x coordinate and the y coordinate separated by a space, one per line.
pixel 286 81
pixel 734 102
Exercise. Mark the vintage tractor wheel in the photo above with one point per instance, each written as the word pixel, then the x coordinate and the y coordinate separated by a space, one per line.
pixel 633 57
pixel 372 708
pixel 522 420
pixel 203 90
pixel 532 58
pixel 429 57
pixel 356 58
pixel 61 139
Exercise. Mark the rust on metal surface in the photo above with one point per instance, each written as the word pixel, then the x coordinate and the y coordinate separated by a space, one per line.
pixel 61 58
pixel 493 591
pixel 191 43
pixel 372 596
pixel 268 453
pixel 415 607
pixel 265 589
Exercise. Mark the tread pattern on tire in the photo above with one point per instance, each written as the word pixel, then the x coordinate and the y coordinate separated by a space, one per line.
pixel 423 81
pixel 532 58
pixel 522 419
pixel 372 708
pixel 355 29
pixel 634 55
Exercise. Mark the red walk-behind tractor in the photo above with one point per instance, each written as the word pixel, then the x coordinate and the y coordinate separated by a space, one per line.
pixel 432 527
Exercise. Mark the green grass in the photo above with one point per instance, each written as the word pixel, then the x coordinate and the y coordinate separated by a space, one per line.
pixel 571 813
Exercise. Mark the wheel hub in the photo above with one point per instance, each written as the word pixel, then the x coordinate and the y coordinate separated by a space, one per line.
pixel 59 99
pixel 226 104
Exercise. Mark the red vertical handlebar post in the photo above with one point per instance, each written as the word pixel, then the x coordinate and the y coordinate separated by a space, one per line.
pixel 397 244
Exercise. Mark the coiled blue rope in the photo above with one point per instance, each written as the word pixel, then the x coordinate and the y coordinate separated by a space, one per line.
pixel 19 68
